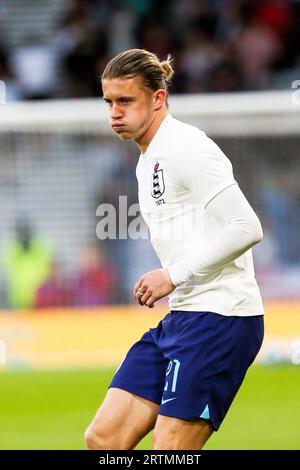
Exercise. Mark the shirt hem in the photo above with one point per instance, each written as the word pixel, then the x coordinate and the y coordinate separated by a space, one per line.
pixel 206 308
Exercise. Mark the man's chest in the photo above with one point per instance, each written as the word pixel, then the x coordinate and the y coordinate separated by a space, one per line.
pixel 159 186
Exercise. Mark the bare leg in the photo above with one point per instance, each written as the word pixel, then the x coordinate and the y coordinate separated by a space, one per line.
pixel 121 422
pixel 178 434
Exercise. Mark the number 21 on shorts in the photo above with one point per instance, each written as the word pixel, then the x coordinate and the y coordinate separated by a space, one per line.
pixel 173 366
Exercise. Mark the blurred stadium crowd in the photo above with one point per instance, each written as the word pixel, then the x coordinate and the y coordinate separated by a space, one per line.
pixel 51 184
pixel 35 280
pixel 218 45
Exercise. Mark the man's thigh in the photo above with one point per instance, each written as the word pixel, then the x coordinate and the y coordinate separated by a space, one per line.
pixel 122 421
pixel 131 405
pixel 178 434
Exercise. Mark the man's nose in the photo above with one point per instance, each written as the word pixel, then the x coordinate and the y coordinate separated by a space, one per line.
pixel 115 112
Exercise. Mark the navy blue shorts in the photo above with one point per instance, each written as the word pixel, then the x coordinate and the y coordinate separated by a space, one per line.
pixel 192 364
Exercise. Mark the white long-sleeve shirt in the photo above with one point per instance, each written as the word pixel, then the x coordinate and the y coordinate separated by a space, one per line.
pixel 201 225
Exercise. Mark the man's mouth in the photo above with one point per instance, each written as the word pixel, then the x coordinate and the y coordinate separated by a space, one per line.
pixel 118 127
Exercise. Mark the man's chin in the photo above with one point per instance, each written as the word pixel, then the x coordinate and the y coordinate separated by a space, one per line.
pixel 124 135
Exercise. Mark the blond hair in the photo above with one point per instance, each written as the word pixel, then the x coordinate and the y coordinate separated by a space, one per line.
pixel 155 74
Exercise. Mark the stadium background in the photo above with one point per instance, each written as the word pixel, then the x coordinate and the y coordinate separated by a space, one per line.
pixel 67 314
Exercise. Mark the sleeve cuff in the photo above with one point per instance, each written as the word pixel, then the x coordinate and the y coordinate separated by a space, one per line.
pixel 178 273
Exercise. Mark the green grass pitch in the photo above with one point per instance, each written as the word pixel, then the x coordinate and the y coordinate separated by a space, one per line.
pixel 51 409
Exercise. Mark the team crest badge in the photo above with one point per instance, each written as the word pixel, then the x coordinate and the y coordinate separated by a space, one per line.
pixel 158 183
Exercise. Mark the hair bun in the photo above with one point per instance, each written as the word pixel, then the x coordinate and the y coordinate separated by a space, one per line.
pixel 168 70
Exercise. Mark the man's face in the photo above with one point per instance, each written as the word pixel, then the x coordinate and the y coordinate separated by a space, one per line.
pixel 132 106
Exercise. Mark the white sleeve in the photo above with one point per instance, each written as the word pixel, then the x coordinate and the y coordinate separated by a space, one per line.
pixel 240 229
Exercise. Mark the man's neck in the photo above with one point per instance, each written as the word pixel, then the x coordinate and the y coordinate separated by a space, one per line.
pixel 144 141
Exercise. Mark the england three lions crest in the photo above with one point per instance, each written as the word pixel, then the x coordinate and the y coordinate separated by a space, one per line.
pixel 158 183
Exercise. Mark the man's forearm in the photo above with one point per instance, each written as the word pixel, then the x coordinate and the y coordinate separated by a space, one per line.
pixel 240 229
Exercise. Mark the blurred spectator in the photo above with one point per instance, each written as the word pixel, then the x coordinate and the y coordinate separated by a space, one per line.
pixel 95 283
pixel 78 42
pixel 218 45
pixel 55 291
pixel 199 56
pixel 121 32
pixel 228 19
pixel 276 15
pixel 256 49
pixel 34 67
pixel 141 7
pixel 225 77
pixel 27 259
pixel 290 57
pixel 154 37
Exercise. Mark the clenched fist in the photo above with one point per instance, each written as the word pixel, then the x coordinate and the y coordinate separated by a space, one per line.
pixel 153 286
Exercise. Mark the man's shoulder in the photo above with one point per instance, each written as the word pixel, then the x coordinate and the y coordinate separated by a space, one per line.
pixel 187 138
pixel 185 130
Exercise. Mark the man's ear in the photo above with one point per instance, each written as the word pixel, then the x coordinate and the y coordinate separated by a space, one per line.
pixel 159 99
